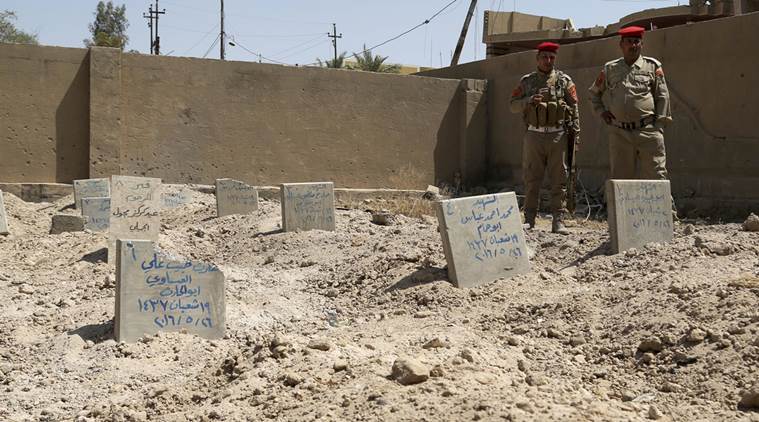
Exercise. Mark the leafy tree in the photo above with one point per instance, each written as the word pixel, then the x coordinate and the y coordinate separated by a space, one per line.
pixel 109 28
pixel 338 63
pixel 10 34
pixel 369 62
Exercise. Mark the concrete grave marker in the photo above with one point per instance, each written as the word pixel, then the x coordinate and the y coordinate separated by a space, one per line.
pixel 308 206
pixel 483 238
pixel 235 197
pixel 90 188
pixel 135 207
pixel 97 213
pixel 155 293
pixel 640 212
pixel 171 200
pixel 3 218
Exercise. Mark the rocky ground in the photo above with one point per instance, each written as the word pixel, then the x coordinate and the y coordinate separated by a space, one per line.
pixel 362 324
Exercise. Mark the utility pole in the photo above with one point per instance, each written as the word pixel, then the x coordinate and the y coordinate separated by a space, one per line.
pixel 462 37
pixel 152 15
pixel 334 37
pixel 222 35
pixel 149 17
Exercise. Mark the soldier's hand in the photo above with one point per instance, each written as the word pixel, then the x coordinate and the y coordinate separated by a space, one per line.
pixel 537 98
pixel 608 117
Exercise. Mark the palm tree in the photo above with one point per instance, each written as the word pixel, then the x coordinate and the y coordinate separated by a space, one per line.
pixel 337 63
pixel 369 62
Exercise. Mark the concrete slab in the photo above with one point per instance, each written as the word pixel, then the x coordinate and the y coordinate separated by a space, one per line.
pixel 90 188
pixel 483 238
pixel 96 213
pixel 308 206
pixel 135 208
pixel 155 293
pixel 62 223
pixel 171 200
pixel 640 212
pixel 235 197
pixel 3 217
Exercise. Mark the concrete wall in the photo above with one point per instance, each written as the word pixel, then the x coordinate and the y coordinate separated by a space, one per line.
pixel 192 120
pixel 77 113
pixel 44 103
pixel 713 144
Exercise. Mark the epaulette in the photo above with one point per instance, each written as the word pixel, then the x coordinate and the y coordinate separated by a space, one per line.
pixel 611 62
pixel 529 75
pixel 652 60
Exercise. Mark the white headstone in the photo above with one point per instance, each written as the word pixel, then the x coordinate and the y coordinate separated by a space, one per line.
pixel 235 197
pixel 308 206
pixel 96 213
pixel 483 238
pixel 171 200
pixel 3 218
pixel 135 208
pixel 640 212
pixel 157 294
pixel 90 188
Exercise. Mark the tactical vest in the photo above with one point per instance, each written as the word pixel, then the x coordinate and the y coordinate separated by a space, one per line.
pixel 554 111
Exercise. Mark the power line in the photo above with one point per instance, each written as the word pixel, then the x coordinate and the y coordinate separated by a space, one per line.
pixel 237 15
pixel 426 21
pixel 201 40
pixel 260 56
pixel 212 46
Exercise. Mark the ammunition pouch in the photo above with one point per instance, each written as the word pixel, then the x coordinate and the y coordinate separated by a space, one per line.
pixel 547 114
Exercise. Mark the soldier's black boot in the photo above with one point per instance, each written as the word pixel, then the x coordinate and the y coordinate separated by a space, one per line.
pixel 529 218
pixel 557 226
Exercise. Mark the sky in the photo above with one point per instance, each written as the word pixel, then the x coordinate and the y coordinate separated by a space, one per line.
pixel 295 31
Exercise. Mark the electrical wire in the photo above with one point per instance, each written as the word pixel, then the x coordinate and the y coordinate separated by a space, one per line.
pixel 426 21
pixel 201 40
pixel 212 45
pixel 261 56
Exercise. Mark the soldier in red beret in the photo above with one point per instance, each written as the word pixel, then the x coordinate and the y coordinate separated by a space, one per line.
pixel 631 96
pixel 547 100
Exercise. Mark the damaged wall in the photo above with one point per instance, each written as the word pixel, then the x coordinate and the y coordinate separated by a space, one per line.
pixel 713 144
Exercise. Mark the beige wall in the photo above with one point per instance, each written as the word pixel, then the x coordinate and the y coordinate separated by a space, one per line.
pixel 73 114
pixel 713 144
pixel 44 101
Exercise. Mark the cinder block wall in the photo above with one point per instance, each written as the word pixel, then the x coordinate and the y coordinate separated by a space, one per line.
pixel 713 144
pixel 74 113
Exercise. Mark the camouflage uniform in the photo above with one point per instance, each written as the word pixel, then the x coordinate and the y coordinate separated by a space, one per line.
pixel 546 146
pixel 637 96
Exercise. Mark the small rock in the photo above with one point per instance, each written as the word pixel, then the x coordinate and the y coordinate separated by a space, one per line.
pixel 536 380
pixel 681 358
pixel 269 260
pixel 648 358
pixel 432 193
pixel 752 223
pixel 554 333
pixel 654 413
pixel 689 230
pixel 332 293
pixel 340 365
pixel 291 379
pixel 750 398
pixel 467 355
pixel 628 395
pixel 319 344
pixel 651 344
pixel 26 289
pixel 382 218
pixel 526 406
pixel 423 314
pixel 577 341
pixel 435 343
pixel 696 335
pixel 671 387
pixel 281 340
pixel 513 341
pixel 437 371
pixel 408 371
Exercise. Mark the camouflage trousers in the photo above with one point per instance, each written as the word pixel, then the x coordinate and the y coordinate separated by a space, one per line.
pixel 643 150
pixel 541 152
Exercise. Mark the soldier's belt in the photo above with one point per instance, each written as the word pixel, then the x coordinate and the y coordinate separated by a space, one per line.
pixel 545 129
pixel 648 120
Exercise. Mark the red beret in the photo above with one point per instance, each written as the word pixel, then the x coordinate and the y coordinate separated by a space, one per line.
pixel 632 31
pixel 548 46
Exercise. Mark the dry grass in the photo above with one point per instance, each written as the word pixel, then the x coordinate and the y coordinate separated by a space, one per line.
pixel 408 177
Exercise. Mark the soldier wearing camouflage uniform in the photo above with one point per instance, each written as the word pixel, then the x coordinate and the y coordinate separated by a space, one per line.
pixel 631 96
pixel 547 100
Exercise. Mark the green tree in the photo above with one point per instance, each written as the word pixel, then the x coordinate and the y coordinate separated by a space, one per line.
pixel 338 63
pixel 109 28
pixel 369 62
pixel 10 34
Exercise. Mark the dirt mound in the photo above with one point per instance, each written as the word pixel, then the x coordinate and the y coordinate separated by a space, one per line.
pixel 317 320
